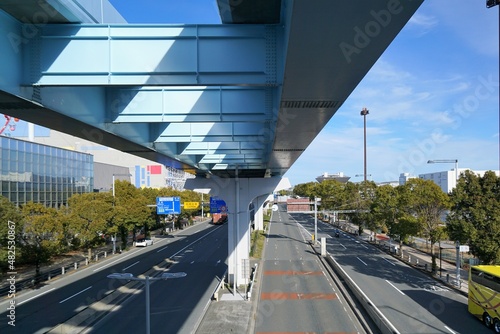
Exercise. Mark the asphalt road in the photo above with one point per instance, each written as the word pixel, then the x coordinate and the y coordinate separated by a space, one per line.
pixel 176 305
pixel 40 310
pixel 296 295
pixel 412 301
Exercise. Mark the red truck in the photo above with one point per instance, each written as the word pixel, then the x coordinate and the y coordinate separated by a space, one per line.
pixel 219 218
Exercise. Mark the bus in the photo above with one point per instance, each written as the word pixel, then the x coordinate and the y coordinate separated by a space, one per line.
pixel 484 295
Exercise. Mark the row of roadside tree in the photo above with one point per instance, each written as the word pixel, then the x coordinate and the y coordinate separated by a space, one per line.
pixel 39 233
pixel 470 213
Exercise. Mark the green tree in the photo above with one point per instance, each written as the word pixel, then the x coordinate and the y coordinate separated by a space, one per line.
pixel 331 194
pixel 306 190
pixel 90 216
pixel 132 211
pixel 359 197
pixel 427 203
pixel 475 215
pixel 42 234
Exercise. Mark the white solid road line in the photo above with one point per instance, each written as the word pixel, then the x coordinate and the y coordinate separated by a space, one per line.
pixel 133 264
pixel 363 262
pixel 76 294
pixel 24 301
pixel 451 331
pixel 389 261
pixel 117 260
pixel 401 292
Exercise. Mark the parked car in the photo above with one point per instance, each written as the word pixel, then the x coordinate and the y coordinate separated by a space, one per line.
pixel 143 242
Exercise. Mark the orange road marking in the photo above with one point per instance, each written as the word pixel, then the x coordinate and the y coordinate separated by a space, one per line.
pixel 292 272
pixel 296 296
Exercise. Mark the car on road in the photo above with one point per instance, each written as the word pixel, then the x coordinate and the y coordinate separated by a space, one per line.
pixel 143 242
pixel 337 234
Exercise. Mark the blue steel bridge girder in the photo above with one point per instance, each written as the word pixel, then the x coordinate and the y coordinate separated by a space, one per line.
pixel 159 86
pixel 154 55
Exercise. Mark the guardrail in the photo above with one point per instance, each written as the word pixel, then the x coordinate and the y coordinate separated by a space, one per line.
pixel 32 281
pixel 215 294
pixel 252 281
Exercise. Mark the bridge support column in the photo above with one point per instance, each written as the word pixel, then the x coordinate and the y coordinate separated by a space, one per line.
pixel 259 212
pixel 238 193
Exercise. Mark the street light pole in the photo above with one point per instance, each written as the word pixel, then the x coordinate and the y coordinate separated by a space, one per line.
pixel 113 185
pixel 146 280
pixel 363 113
pixel 315 220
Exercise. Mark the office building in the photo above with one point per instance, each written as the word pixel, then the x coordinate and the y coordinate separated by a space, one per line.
pixel 43 173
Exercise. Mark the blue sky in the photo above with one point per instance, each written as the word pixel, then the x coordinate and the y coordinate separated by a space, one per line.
pixel 434 93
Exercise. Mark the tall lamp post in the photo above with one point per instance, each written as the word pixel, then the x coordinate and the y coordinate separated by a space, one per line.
pixel 363 113
pixel 146 280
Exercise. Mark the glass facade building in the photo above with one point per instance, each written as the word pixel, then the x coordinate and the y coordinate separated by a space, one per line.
pixel 43 174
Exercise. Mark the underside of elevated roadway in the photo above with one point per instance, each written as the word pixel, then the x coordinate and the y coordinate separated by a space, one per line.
pixel 236 104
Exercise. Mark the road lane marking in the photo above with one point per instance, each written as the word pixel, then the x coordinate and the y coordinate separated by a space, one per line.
pixel 451 331
pixel 292 272
pixel 361 261
pixel 133 264
pixel 389 261
pixel 296 296
pixel 117 260
pixel 76 294
pixel 24 301
pixel 343 246
pixel 159 250
pixel 401 292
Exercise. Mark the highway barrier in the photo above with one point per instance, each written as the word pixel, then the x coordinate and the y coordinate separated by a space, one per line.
pixel 384 325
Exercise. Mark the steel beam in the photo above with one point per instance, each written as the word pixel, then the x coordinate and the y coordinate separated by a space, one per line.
pixel 153 55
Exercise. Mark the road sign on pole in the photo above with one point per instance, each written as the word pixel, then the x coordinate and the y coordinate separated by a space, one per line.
pixel 191 205
pixel 217 205
pixel 168 205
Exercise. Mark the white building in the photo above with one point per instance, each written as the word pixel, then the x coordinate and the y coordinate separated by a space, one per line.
pixel 338 176
pixel 404 177
pixel 447 180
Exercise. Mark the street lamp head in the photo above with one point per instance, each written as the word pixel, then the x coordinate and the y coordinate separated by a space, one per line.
pixel 173 275
pixel 121 276
pixel 442 161
pixel 364 112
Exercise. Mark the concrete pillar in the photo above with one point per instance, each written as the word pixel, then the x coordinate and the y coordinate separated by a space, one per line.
pixel 259 210
pixel 238 193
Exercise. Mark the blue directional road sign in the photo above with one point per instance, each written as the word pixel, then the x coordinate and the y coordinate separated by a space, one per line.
pixel 217 205
pixel 168 205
